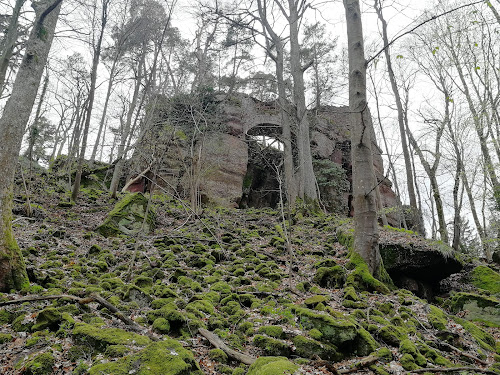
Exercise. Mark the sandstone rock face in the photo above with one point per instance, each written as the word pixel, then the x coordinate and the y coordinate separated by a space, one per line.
pixel 224 160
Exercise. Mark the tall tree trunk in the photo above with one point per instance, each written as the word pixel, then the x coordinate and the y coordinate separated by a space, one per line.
pixel 93 79
pixel 307 180
pixel 366 233
pixel 404 144
pixel 10 42
pixel 12 126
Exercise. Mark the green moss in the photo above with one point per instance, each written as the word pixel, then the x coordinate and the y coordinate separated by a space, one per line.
pixel 166 357
pixel 485 278
pixel 127 217
pixel 41 364
pixel 365 343
pixel 408 362
pixel 350 294
pixel 483 338
pixel 314 300
pixel 100 338
pixel 47 318
pixel 384 353
pixel 5 317
pixel 308 348
pixel 360 277
pixel 330 277
pixel 273 331
pixel 221 287
pixel 161 325
pixel 315 334
pixel 272 366
pixel 437 318
pixel 336 331
pixel 5 337
pixel 218 355
pixel 391 334
pixel 204 306
pixel 20 324
pixel 272 346
pixel 408 347
pixel 116 350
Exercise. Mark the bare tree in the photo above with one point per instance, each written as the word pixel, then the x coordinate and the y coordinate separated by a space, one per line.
pixel 12 126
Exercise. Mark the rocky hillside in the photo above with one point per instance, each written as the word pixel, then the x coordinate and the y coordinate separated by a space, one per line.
pixel 143 286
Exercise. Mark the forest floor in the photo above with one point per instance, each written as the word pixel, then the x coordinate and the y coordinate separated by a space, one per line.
pixel 225 272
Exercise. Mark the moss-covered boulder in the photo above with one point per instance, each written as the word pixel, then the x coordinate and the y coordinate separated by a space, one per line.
pixel 100 338
pixel 127 217
pixel 47 318
pixel 336 330
pixel 165 357
pixel 41 364
pixel 272 366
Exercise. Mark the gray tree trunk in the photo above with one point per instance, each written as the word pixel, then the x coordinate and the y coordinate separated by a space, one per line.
pixel 416 214
pixel 12 126
pixel 366 233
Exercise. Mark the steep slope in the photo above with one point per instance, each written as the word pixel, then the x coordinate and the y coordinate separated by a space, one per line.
pixel 228 272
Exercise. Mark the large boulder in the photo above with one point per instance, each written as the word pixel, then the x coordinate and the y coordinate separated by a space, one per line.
pixel 415 263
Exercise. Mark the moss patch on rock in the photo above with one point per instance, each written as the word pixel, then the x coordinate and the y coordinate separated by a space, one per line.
pixel 100 338
pixel 485 278
pixel 165 357
pixel 272 366
pixel 127 217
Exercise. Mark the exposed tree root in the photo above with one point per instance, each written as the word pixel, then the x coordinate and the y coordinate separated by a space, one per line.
pixel 219 344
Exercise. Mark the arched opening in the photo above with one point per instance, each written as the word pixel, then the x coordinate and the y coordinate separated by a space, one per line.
pixel 261 186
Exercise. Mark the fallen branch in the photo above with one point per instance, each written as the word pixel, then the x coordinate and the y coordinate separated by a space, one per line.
pixel 217 342
pixel 453 369
pixel 136 179
pixel 83 301
pixel 463 353
pixel 364 362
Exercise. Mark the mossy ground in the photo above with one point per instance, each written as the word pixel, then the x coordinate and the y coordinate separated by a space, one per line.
pixel 225 272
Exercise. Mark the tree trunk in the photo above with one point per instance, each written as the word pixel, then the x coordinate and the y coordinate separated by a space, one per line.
pixel 12 126
pixel 93 79
pixel 404 144
pixel 366 231
pixel 307 180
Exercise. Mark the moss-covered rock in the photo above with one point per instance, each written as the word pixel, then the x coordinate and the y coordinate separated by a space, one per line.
pixel 48 318
pixel 483 338
pixel 336 331
pixel 41 364
pixel 272 346
pixel 330 277
pixel 165 357
pixel 218 355
pixel 391 334
pixel 437 318
pixel 272 366
pixel 308 348
pixel 5 337
pixel 127 217
pixel 100 338
pixel 313 301
pixel 485 278
pixel 273 331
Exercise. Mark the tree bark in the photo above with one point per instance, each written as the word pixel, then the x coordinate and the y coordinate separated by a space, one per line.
pixel 364 182
pixel 12 126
